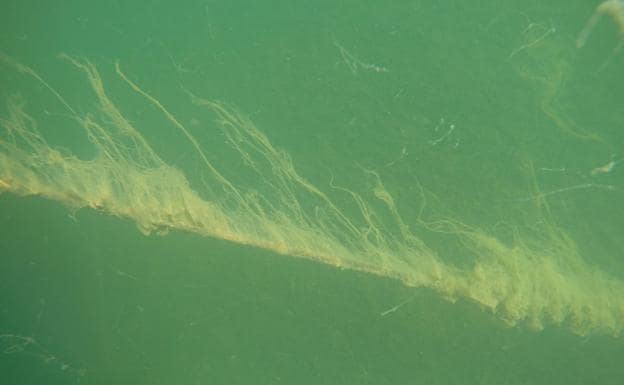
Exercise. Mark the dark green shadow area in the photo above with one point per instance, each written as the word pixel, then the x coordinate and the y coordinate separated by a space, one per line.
pixel 107 305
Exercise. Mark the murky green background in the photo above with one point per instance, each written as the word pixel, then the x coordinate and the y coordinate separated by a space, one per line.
pixel 479 103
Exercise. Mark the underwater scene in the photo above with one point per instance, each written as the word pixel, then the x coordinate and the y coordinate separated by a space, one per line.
pixel 312 192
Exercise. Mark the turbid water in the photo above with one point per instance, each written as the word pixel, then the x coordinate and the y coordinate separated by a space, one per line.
pixel 328 193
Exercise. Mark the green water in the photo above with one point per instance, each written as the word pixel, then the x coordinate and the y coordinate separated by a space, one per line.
pixel 487 113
